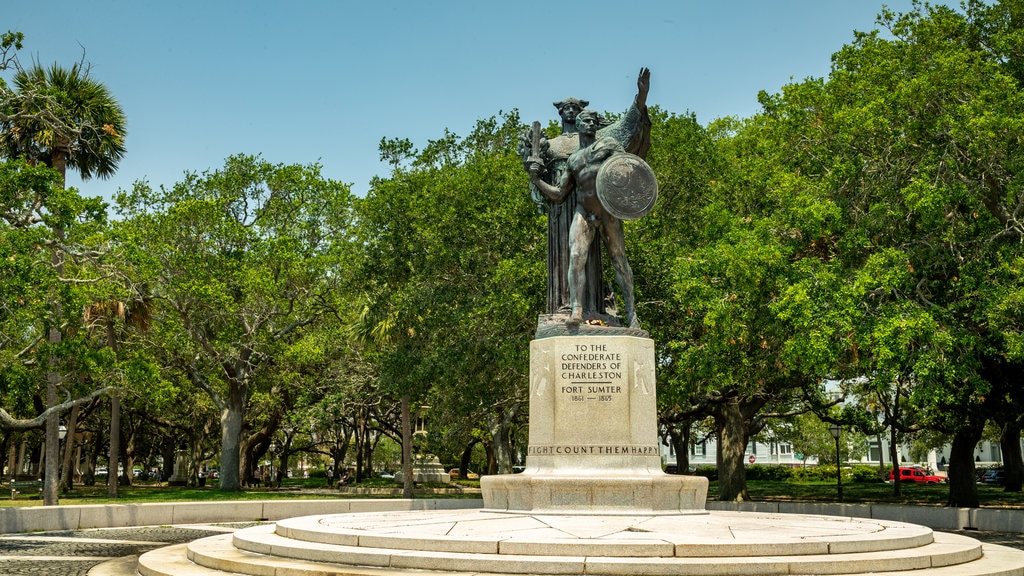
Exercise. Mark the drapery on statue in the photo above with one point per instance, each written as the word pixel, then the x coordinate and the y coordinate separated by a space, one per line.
pixel 568 190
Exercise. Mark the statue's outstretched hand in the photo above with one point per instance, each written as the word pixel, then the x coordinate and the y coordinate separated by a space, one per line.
pixel 643 86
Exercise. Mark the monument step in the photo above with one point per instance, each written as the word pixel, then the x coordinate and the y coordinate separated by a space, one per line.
pixel 217 556
pixel 948 549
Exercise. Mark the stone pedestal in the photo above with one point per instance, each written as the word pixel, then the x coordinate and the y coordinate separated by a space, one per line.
pixel 427 469
pixel 594 434
pixel 180 475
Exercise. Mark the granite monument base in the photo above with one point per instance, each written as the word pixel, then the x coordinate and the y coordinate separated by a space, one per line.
pixel 593 434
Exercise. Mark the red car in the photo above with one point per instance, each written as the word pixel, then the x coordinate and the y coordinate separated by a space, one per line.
pixel 917 475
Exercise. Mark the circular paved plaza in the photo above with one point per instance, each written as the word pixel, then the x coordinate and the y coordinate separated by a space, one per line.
pixel 75 553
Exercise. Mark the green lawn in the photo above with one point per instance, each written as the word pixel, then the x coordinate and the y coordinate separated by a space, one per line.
pixel 292 488
pixel 869 493
pixel 759 490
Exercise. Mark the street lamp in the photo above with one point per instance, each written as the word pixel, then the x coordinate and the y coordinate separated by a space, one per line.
pixel 835 430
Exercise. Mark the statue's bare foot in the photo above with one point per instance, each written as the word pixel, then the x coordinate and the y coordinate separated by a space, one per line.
pixel 576 319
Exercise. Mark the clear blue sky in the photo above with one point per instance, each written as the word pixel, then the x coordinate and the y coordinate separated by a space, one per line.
pixel 324 81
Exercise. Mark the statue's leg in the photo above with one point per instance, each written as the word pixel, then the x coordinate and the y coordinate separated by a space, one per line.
pixel 611 230
pixel 581 233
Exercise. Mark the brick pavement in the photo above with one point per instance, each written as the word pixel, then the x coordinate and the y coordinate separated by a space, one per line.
pixel 74 553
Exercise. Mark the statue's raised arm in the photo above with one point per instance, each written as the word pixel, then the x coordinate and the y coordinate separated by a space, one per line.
pixel 633 129
pixel 643 86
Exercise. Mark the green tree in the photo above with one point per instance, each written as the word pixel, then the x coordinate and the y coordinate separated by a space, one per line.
pixel 714 256
pixel 915 138
pixel 59 117
pixel 241 261
pixel 48 236
pixel 453 277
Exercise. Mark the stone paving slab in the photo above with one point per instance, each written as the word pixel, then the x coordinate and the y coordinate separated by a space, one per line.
pixel 720 534
pixel 64 565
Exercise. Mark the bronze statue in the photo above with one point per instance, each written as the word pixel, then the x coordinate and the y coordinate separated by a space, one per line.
pixel 555 152
pixel 574 256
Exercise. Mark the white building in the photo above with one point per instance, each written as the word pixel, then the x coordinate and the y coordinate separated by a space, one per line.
pixel 781 453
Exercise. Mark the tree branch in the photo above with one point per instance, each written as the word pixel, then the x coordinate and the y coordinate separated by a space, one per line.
pixel 7 422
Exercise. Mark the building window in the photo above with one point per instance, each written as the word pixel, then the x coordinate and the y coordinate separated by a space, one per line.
pixel 699 449
pixel 785 448
pixel 874 451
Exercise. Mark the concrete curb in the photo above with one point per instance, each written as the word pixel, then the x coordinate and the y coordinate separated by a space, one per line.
pixel 50 518
pixel 937 518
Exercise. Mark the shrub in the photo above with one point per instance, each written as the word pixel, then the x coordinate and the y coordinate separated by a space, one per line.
pixel 865 473
pixel 820 472
pixel 707 471
pixel 773 473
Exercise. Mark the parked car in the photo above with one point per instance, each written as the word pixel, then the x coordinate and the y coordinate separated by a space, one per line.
pixel 918 475
pixel 994 476
pixel 454 473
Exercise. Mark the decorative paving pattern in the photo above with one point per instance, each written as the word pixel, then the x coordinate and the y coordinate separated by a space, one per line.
pixel 74 553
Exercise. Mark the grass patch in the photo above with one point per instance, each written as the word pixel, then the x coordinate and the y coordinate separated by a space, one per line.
pixel 870 493
pixel 315 488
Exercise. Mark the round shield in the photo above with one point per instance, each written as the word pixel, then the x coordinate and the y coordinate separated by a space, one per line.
pixel 626 186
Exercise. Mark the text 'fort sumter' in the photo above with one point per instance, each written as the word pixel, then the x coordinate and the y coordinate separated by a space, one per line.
pixel 592 373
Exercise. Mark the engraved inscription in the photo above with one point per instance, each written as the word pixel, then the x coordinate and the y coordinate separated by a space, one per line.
pixel 592 373
pixel 590 449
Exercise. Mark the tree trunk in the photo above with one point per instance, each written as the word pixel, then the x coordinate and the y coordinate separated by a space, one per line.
pixel 114 451
pixel 500 428
pixel 127 459
pixel 115 418
pixel 369 445
pixel 55 336
pixel 361 443
pixel 231 420
pixel 492 462
pixel 894 455
pixel 1013 463
pixel 68 463
pixel 8 447
pixel 406 448
pixel 732 445
pixel 881 457
pixel 51 456
pixel 467 455
pixel 963 488
pixel 167 449
pixel 679 437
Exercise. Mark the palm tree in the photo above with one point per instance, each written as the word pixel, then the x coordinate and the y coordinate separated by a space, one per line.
pixel 60 118
pixel 138 313
pixel 64 119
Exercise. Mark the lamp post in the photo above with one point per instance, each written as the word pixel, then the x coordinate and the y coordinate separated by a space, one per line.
pixel 835 430
pixel 273 450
